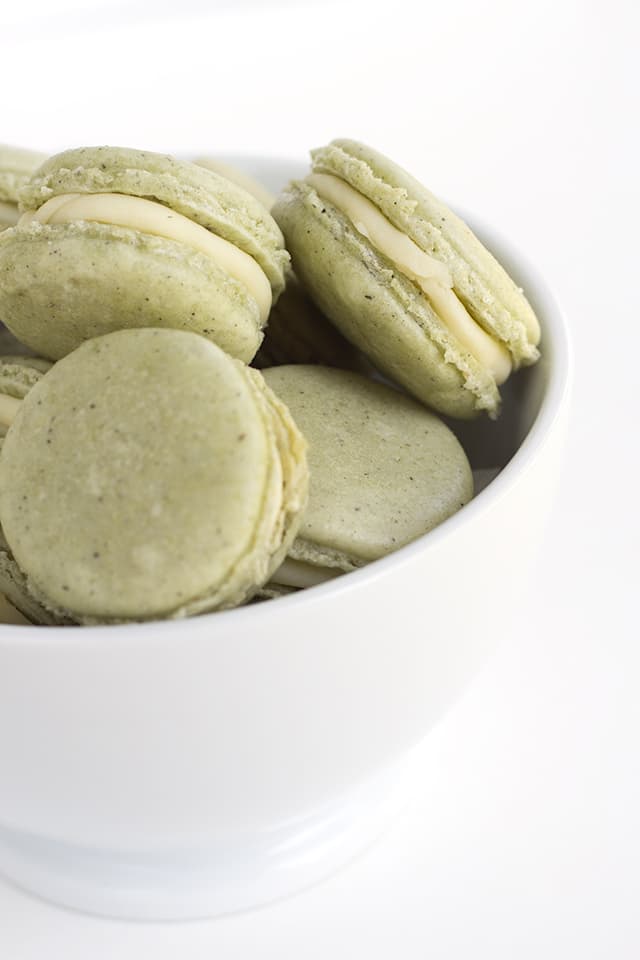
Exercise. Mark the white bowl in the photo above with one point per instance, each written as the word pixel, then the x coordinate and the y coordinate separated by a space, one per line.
pixel 189 768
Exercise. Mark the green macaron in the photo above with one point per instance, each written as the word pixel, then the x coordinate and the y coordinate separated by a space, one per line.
pixel 112 238
pixel 16 166
pixel 146 475
pixel 406 280
pixel 384 470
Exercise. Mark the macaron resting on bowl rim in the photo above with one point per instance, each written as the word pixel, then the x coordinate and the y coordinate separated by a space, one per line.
pixel 113 237
pixel 406 280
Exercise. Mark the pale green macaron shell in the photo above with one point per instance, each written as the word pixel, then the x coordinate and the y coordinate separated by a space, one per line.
pixel 63 283
pixel 384 470
pixel 147 475
pixel 16 167
pixel 379 308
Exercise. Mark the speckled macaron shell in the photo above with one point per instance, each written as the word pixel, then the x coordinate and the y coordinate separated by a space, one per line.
pixel 384 470
pixel 19 373
pixel 14 588
pixel 16 166
pixel 385 313
pixel 148 475
pixel 63 283
pixel 203 196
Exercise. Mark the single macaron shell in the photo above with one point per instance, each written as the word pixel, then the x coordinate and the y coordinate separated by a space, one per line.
pixel 112 238
pixel 406 280
pixel 384 470
pixel 149 475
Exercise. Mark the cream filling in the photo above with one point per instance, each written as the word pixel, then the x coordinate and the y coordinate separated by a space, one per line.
pixel 9 214
pixel 147 216
pixel 430 274
pixel 297 573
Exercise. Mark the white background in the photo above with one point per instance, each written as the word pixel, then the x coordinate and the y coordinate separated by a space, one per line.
pixel 522 835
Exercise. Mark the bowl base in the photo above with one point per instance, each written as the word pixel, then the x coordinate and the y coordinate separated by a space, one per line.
pixel 208 881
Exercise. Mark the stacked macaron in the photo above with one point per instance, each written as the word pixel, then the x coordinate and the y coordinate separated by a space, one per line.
pixel 112 237
pixel 149 472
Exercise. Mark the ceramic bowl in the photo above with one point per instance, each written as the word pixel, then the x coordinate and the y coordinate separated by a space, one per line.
pixel 190 768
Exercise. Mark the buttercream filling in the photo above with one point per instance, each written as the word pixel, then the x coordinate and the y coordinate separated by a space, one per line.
pixel 432 276
pixel 148 216
pixel 9 214
pixel 297 573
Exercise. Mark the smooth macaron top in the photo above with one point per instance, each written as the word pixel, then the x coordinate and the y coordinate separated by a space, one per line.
pixel 384 470
pixel 203 196
pixel 146 475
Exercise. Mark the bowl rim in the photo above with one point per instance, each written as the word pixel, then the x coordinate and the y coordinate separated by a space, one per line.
pixel 558 356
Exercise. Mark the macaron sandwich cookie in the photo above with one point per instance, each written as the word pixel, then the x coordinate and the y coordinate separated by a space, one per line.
pixel 112 238
pixel 146 475
pixel 16 166
pixel 406 280
pixel 384 471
